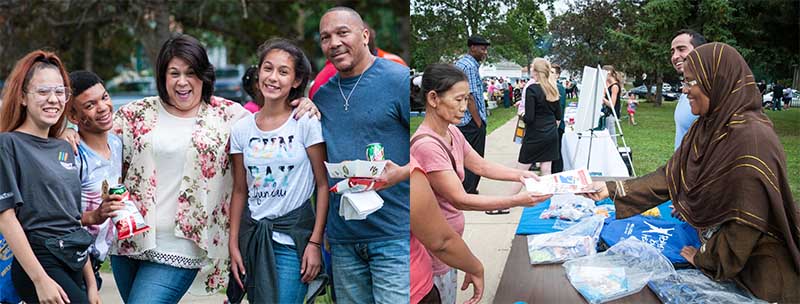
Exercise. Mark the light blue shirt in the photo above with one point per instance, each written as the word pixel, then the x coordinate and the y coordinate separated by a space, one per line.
pixel 470 66
pixel 94 170
pixel 683 119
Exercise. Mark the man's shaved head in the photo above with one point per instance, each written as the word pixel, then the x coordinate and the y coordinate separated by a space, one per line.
pixel 348 10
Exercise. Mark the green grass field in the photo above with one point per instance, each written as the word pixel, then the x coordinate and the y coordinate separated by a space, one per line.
pixel 652 139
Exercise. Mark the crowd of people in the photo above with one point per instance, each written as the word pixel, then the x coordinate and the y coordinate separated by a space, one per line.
pixel 749 232
pixel 239 198
pixel 223 191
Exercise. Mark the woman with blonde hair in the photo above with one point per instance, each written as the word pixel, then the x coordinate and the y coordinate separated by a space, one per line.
pixel 542 115
pixel 612 99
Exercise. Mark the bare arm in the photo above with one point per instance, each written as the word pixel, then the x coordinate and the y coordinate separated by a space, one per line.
pixel 448 185
pixel 312 263
pixel 317 155
pixel 47 289
pixel 238 200
pixel 482 167
pixel 430 227
pixel 91 284
pixel 614 92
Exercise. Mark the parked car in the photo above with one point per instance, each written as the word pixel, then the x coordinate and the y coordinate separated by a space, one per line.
pixel 229 84
pixel 767 98
pixel 641 92
pixel 127 91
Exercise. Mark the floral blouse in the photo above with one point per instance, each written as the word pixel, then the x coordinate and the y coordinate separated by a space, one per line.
pixel 205 190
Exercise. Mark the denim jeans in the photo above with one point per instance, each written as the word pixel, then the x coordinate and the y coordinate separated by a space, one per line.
pixel 374 272
pixel 148 282
pixel 290 288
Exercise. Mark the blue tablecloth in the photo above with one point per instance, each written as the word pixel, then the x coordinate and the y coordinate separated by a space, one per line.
pixel 530 223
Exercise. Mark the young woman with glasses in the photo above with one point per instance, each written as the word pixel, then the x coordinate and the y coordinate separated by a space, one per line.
pixel 40 187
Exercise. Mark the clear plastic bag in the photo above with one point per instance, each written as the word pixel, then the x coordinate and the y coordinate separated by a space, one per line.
pixel 563 224
pixel 576 241
pixel 622 270
pixel 568 207
pixel 692 286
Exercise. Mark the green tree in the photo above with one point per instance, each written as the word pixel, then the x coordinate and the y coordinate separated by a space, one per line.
pixel 518 37
pixel 440 28
pixel 104 35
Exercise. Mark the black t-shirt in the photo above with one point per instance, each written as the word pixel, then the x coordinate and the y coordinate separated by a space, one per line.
pixel 39 178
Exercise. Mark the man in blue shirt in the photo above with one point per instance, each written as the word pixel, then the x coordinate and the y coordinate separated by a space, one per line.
pixel 366 102
pixel 473 124
pixel 683 43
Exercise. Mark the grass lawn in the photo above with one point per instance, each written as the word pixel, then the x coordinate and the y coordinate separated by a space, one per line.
pixel 652 139
pixel 497 118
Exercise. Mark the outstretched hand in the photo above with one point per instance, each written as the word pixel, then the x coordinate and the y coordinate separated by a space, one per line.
pixel 601 194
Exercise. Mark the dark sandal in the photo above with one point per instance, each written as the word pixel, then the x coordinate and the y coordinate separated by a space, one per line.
pixel 497 212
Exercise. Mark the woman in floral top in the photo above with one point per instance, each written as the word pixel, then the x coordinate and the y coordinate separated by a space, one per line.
pixel 176 168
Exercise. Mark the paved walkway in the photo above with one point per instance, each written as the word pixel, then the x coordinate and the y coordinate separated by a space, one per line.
pixel 489 236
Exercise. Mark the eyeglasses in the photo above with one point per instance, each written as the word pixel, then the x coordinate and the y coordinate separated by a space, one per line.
pixel 43 92
pixel 689 84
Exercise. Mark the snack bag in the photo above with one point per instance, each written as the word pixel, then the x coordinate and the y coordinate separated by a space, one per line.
pixel 128 221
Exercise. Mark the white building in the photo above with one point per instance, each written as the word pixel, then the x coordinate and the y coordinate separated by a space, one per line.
pixel 505 69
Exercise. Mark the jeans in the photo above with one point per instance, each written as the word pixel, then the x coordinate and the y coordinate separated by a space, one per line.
pixel 374 272
pixel 290 288
pixel 148 282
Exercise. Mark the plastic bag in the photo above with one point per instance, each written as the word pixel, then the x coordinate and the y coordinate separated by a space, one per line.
pixel 624 269
pixel 692 286
pixel 576 241
pixel 563 224
pixel 568 207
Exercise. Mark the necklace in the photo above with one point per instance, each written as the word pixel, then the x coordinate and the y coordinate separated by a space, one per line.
pixel 347 98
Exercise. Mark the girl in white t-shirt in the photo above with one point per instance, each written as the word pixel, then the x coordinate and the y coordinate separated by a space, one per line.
pixel 278 163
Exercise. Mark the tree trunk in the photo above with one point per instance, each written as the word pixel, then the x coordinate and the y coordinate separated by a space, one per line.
pixel 88 51
pixel 154 29
pixel 659 84
pixel 299 26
